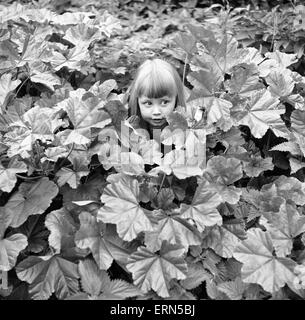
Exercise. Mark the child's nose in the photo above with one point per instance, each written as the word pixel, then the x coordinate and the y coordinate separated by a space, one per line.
pixel 156 109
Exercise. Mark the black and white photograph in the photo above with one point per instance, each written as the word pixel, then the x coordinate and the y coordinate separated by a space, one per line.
pixel 152 153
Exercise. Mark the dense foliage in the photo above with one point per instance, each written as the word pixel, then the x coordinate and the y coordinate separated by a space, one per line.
pixel 78 221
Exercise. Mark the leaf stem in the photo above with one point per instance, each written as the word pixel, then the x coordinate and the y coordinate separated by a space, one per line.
pixel 161 185
pixel 66 157
pixel 27 178
pixel 184 67
pixel 38 152
pixel 22 84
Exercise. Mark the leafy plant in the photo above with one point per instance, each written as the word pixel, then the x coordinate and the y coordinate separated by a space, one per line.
pixel 89 212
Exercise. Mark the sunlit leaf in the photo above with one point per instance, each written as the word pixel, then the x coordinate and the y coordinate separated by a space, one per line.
pixel 102 241
pixel 289 188
pixel 6 86
pixel 244 81
pixel 8 177
pixel 31 198
pixel 203 207
pixel 173 229
pixel 260 265
pixel 233 289
pixel 257 165
pixel 224 239
pixel 123 209
pixel 62 229
pixel 154 271
pixel 98 286
pixel 284 226
pixel 82 35
pixel 47 275
pixel 221 177
pixel 280 83
pixel 261 112
pixel 9 250
pixel 84 115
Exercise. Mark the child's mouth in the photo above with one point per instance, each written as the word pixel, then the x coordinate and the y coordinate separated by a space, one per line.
pixel 157 121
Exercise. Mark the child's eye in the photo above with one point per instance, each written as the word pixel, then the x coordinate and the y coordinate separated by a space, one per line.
pixel 147 103
pixel 165 102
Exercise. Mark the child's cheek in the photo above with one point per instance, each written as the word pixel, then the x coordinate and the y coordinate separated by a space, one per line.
pixel 145 112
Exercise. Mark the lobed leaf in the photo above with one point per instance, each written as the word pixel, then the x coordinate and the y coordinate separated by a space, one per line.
pixel 260 265
pixel 47 275
pixel 172 228
pixel 31 198
pixel 123 209
pixel 203 207
pixel 9 250
pixel 154 271
pixel 8 177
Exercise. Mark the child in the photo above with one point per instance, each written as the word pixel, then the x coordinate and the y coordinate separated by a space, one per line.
pixel 154 93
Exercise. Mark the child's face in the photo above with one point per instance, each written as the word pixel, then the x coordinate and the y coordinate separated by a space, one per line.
pixel 154 110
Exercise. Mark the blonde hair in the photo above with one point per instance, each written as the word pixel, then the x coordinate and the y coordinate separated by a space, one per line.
pixel 155 78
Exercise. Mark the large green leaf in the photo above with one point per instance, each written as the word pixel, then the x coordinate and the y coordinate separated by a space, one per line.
pixel 280 83
pixel 36 123
pixel 62 229
pixel 203 207
pixel 82 35
pixel 244 81
pixel 282 59
pixel 221 173
pixel 223 170
pixel 298 122
pixel 102 241
pixel 217 109
pixel 284 226
pixel 9 250
pixel 260 265
pixel 84 115
pixel 123 209
pixel 233 289
pixel 224 239
pixel 46 78
pixel 261 112
pixel 8 177
pixel 31 198
pixel 102 91
pixel 220 56
pixel 205 82
pixel 257 165
pixel 289 188
pixel 36 233
pixel 172 228
pixel 196 274
pixel 76 59
pixel 42 122
pixel 265 201
pixel 6 86
pixel 98 286
pixel 47 275
pixel 80 162
pixel 154 271
pixel 4 221
pixel 181 164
